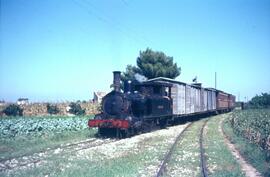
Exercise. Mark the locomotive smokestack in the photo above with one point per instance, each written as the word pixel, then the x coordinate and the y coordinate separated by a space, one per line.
pixel 116 80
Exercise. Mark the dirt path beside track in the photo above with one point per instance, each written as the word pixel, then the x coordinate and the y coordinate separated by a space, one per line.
pixel 247 168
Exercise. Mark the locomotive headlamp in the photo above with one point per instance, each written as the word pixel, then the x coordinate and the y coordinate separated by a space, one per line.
pixel 129 118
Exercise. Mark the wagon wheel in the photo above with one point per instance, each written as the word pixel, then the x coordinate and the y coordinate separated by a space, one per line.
pixel 163 123
pixel 147 126
pixel 127 133
pixel 119 133
pixel 101 132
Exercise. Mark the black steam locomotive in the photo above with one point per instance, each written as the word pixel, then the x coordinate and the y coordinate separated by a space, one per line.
pixel 159 101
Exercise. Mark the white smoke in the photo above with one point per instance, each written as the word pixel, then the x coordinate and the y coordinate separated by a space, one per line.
pixel 140 78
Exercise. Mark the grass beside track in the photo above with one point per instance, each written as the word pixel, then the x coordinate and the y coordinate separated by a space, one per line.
pixel 137 156
pixel 185 160
pixel 251 152
pixel 220 161
pixel 23 146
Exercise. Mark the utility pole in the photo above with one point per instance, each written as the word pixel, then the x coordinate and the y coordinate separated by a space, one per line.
pixel 215 80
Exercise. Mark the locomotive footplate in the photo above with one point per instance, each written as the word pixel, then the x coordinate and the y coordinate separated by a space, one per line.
pixel 108 123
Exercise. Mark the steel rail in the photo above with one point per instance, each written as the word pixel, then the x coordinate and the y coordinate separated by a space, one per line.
pixel 48 150
pixel 35 158
pixel 169 153
pixel 202 152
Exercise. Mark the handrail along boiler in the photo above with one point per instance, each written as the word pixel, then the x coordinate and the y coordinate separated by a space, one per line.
pixel 155 102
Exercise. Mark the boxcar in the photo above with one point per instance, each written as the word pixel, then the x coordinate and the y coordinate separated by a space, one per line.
pixel 222 100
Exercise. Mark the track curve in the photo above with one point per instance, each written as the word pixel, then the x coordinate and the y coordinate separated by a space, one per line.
pixel 38 157
pixel 168 155
pixel 204 171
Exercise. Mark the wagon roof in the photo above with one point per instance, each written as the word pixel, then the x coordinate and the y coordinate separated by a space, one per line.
pixel 164 80
pixel 157 82
pixel 216 90
pixel 168 81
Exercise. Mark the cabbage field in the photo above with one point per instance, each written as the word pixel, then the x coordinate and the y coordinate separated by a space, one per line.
pixel 26 135
pixel 11 127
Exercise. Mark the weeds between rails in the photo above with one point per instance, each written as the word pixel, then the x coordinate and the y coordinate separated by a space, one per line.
pixel 167 157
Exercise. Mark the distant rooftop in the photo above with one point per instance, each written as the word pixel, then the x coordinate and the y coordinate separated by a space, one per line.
pixel 23 99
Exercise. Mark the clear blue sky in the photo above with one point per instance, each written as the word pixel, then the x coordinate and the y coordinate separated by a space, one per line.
pixel 58 50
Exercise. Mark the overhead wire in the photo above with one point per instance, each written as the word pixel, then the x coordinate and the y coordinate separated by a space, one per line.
pixel 95 12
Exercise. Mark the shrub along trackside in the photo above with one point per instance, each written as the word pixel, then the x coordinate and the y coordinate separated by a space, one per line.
pixel 52 109
pixel 76 109
pixel 13 110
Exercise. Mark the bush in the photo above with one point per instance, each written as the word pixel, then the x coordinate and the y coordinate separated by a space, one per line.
pixel 76 109
pixel 13 110
pixel 52 109
pixel 260 101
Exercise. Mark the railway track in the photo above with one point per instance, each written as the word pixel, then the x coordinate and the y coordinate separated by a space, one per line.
pixel 204 172
pixel 38 157
pixel 202 152
pixel 48 149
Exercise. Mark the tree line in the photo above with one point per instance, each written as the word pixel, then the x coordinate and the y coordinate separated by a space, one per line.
pixel 52 109
pixel 260 101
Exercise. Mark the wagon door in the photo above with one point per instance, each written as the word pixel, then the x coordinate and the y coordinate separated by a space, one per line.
pixel 188 99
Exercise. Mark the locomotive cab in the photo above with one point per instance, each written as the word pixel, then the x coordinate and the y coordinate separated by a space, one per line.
pixel 158 98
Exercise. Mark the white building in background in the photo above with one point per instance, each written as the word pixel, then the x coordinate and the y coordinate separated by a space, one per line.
pixel 98 96
pixel 2 102
pixel 23 101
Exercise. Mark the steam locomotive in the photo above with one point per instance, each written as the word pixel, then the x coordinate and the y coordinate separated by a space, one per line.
pixel 155 102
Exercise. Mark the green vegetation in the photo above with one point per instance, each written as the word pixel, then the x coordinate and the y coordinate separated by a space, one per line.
pixel 220 161
pixel 13 110
pixel 26 135
pixel 76 109
pixel 260 101
pixel 128 157
pixel 11 127
pixel 253 124
pixel 185 160
pixel 52 109
pixel 251 152
pixel 152 64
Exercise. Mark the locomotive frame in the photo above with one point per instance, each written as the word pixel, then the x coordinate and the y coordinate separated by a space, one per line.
pixel 159 101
